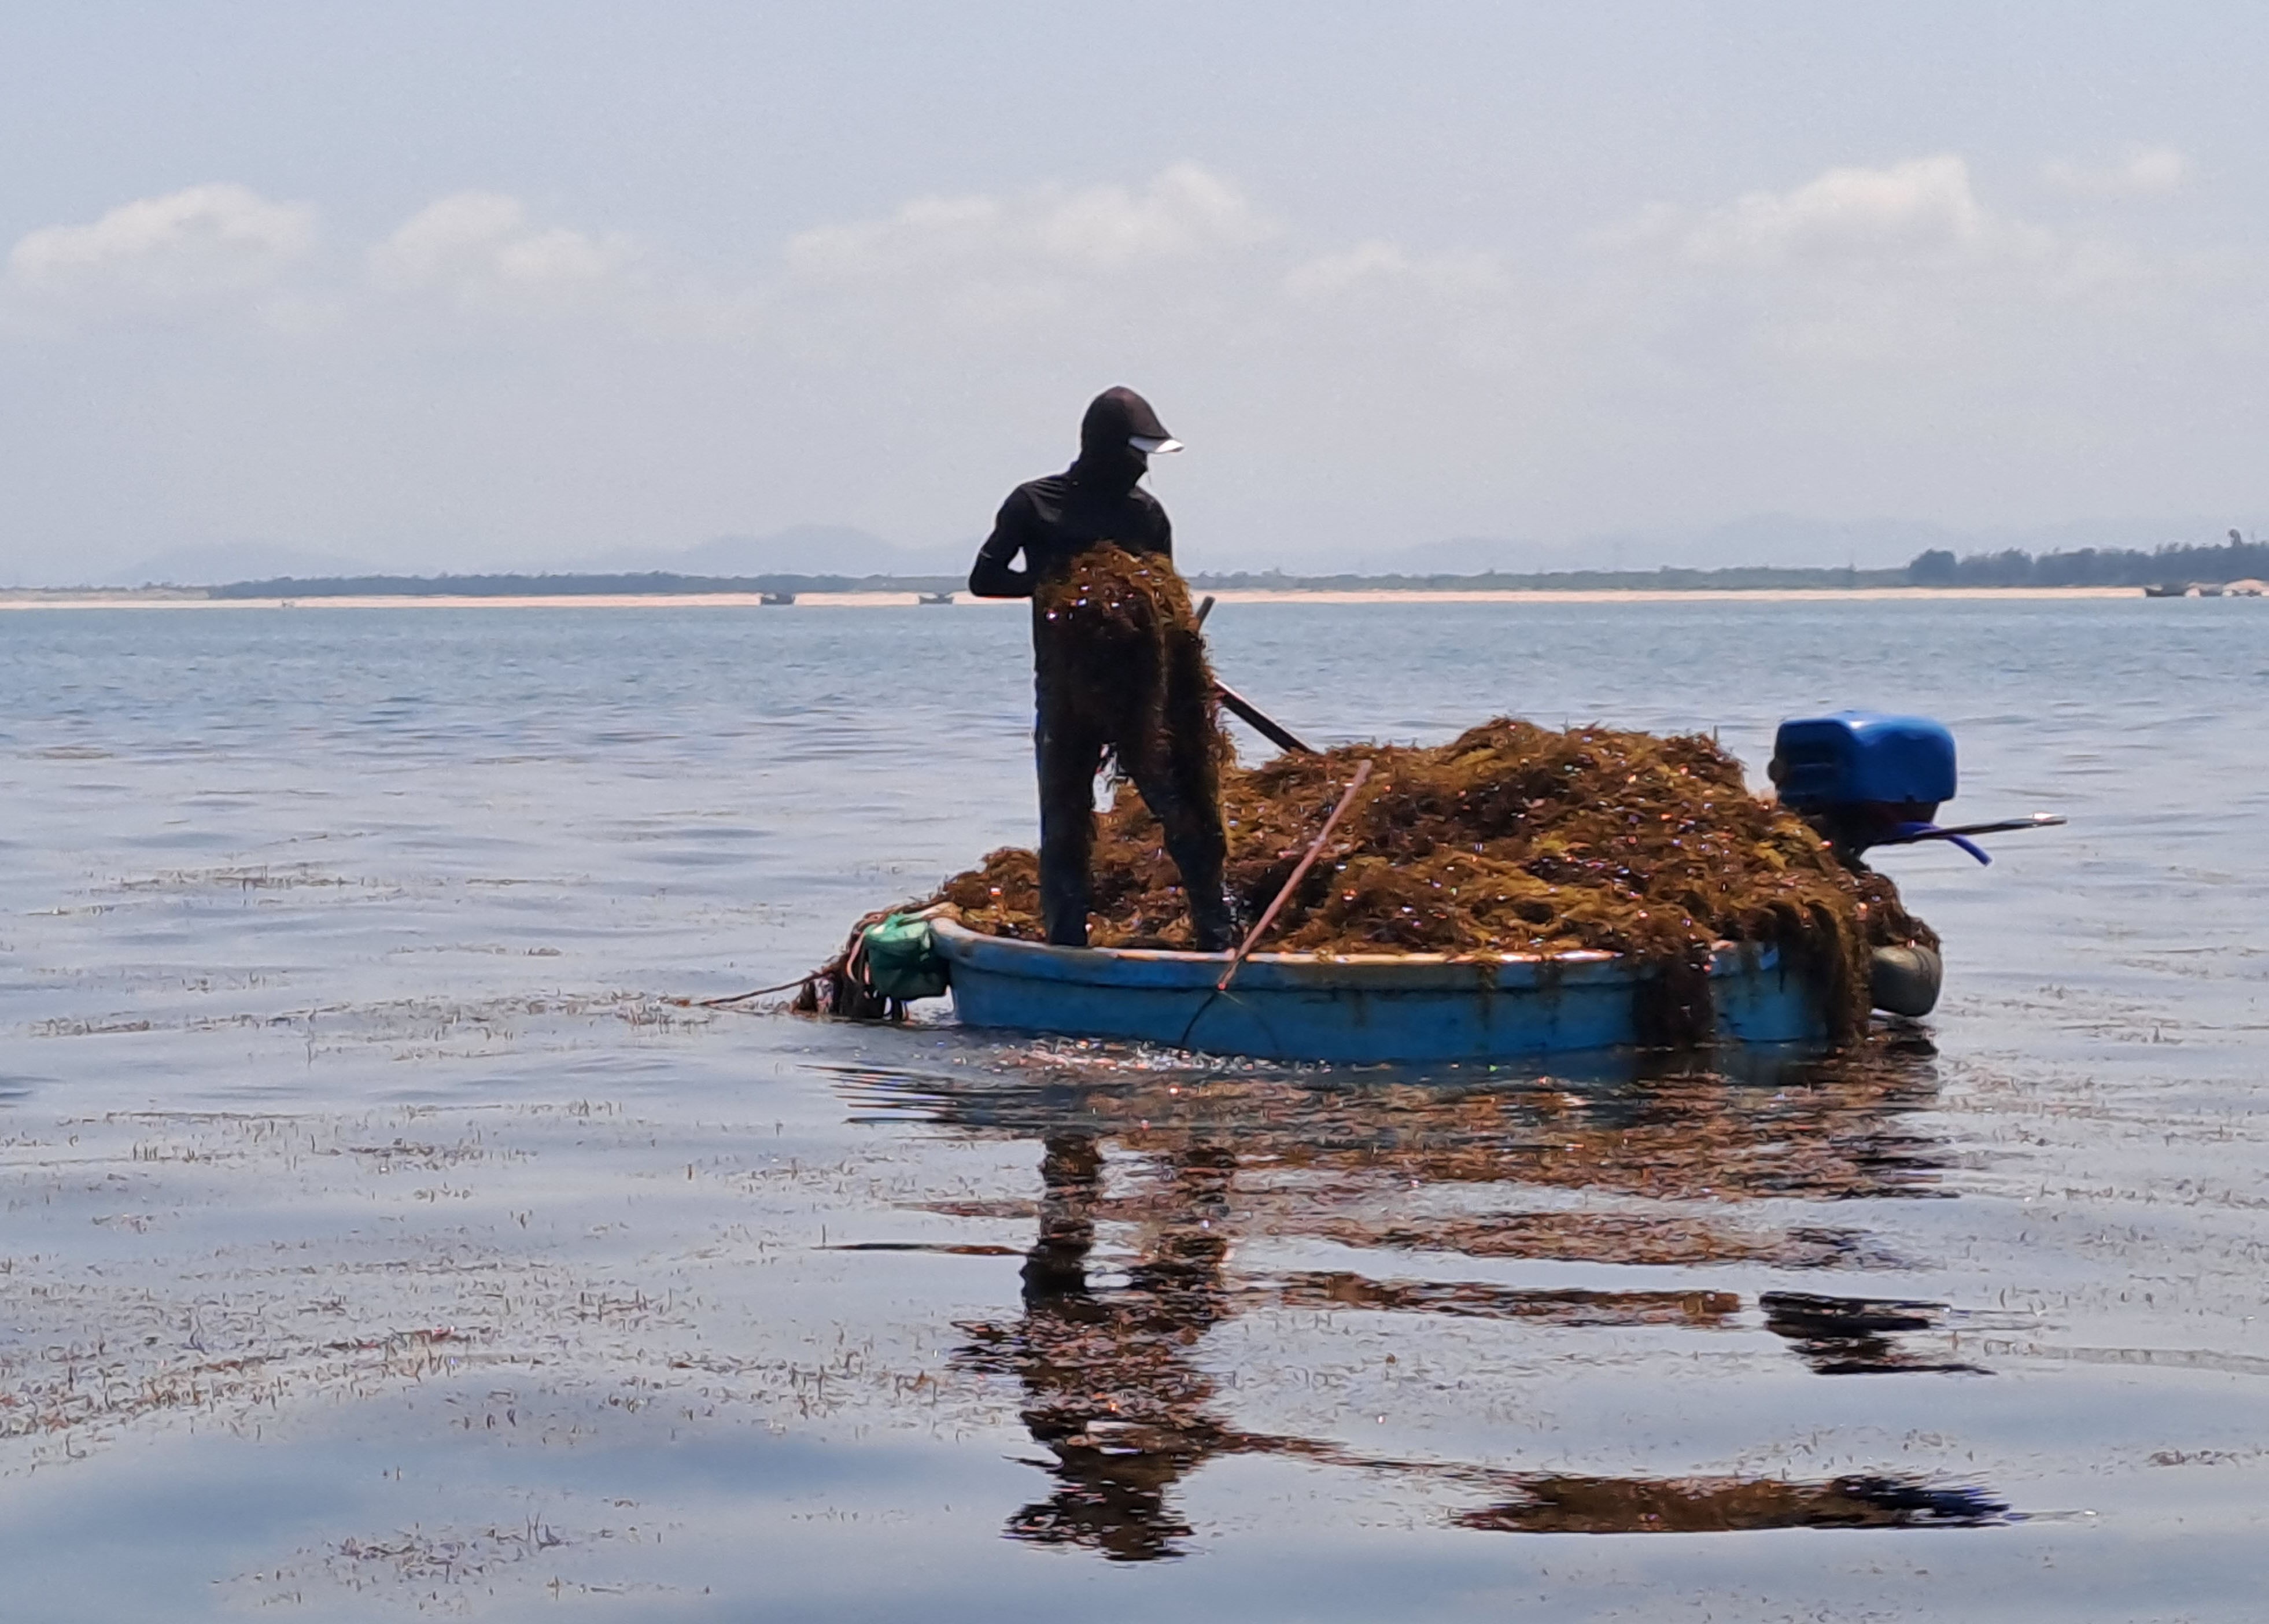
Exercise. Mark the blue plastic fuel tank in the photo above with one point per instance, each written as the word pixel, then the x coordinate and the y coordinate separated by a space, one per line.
pixel 1863 756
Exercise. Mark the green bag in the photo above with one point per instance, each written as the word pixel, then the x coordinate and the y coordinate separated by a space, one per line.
pixel 902 959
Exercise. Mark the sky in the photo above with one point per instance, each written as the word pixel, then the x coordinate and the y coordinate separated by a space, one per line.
pixel 520 284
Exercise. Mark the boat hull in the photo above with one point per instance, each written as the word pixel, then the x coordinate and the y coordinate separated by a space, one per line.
pixel 1398 1007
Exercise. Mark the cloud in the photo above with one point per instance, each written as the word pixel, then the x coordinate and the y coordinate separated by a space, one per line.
pixel 1377 265
pixel 1093 267
pixel 1184 213
pixel 1923 208
pixel 1815 345
pixel 2145 172
pixel 199 243
pixel 1901 296
pixel 1899 268
pixel 479 250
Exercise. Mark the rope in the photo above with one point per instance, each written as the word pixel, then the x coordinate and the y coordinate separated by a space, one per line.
pixel 718 1003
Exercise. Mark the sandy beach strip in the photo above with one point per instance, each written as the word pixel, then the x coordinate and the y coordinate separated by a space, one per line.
pixel 908 600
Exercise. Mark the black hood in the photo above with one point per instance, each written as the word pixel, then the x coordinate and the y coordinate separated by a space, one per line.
pixel 1106 462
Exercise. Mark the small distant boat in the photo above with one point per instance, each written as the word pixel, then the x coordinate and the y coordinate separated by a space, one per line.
pixel 776 597
pixel 2169 589
pixel 1409 1007
pixel 936 597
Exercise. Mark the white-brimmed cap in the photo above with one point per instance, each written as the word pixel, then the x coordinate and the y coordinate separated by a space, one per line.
pixel 1152 444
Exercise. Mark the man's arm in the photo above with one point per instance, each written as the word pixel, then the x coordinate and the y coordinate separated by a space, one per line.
pixel 990 577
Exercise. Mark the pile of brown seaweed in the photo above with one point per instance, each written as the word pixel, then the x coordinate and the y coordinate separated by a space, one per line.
pixel 1118 646
pixel 1512 839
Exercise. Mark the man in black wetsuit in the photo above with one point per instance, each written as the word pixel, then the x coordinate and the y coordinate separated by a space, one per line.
pixel 1052 521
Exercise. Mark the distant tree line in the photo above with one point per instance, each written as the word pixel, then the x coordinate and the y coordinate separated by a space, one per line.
pixel 2237 559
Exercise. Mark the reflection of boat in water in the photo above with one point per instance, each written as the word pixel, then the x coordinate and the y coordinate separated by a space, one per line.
pixel 1410 1007
pixel 1106 1354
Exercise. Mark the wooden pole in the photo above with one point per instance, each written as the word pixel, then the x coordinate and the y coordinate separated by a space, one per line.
pixel 1236 959
pixel 1283 737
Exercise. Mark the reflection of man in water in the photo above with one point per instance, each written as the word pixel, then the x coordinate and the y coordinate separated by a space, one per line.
pixel 1109 1386
pixel 1111 1383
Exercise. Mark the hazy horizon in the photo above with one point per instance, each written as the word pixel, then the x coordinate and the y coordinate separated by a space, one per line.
pixel 536 287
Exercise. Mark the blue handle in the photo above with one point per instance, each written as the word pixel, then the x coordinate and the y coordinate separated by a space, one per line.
pixel 1907 834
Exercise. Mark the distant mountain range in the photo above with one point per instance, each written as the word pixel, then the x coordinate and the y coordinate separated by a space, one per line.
pixel 211 563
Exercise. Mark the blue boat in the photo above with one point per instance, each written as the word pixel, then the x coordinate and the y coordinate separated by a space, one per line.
pixel 1414 1007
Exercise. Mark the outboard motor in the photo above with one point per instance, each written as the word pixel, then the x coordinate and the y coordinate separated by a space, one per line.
pixel 1863 779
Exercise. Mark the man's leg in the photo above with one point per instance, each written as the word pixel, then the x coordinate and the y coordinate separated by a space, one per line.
pixel 1071 1182
pixel 1190 821
pixel 1069 757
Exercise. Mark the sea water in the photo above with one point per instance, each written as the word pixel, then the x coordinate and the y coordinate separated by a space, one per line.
pixel 390 1229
